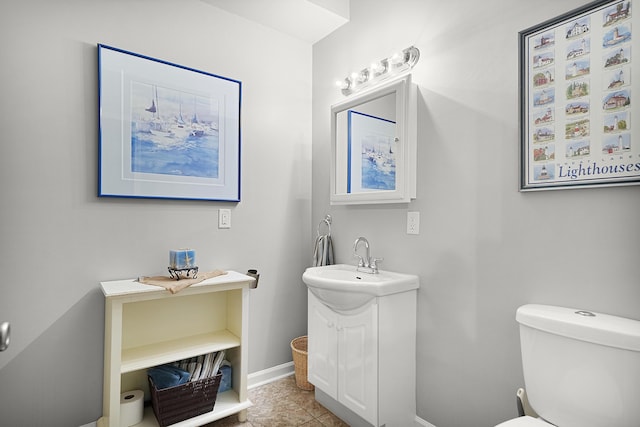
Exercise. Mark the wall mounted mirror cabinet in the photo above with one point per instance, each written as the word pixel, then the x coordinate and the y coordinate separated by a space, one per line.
pixel 373 146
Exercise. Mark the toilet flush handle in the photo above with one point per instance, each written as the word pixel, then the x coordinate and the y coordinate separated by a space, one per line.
pixel 585 313
pixel 5 335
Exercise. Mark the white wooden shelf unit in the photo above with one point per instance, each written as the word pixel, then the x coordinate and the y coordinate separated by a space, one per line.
pixel 147 326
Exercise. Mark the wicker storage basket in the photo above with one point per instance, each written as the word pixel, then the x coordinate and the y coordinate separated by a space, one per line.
pixel 299 350
pixel 175 404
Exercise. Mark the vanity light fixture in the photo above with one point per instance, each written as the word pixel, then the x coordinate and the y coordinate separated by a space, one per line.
pixel 379 71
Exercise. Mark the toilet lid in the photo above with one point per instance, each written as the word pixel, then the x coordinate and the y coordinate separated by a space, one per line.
pixel 524 422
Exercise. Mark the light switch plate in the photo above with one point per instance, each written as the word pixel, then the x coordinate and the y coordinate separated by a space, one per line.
pixel 224 218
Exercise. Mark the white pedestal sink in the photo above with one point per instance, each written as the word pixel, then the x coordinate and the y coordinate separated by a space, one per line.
pixel 342 287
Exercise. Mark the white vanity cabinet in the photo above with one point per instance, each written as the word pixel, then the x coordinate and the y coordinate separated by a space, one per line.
pixel 364 359
pixel 343 357
pixel 147 326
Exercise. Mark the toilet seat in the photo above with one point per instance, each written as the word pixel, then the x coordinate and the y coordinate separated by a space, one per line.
pixel 526 421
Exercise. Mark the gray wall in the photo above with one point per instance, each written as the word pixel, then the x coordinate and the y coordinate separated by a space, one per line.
pixel 58 240
pixel 484 248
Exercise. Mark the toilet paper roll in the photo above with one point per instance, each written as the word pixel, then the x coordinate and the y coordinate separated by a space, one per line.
pixel 131 407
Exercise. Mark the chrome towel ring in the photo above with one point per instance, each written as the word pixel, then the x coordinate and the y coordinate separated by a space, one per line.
pixel 326 221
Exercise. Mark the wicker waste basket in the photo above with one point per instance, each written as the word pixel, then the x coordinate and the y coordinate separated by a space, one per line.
pixel 299 350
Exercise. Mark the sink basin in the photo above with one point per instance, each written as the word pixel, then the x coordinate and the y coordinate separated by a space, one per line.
pixel 342 287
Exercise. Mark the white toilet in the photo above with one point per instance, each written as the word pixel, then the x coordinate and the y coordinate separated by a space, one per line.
pixel 581 369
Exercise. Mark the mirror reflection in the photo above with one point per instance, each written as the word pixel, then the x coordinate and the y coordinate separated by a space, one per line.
pixel 367 134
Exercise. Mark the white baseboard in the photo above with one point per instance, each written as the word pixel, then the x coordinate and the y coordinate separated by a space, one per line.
pixel 93 424
pixel 423 423
pixel 256 379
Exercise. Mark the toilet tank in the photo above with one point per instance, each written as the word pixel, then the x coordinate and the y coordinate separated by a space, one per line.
pixel 581 369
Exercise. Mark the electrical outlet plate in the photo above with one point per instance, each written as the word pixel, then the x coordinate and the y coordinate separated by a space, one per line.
pixel 413 222
pixel 224 218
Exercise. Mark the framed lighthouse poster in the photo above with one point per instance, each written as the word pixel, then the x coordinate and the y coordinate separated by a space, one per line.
pixel 578 119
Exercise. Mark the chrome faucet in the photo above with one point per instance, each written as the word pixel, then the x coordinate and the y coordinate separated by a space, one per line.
pixel 366 264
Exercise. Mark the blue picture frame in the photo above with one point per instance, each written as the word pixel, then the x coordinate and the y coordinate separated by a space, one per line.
pixel 166 131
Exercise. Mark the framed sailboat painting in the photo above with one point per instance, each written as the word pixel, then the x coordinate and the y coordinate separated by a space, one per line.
pixel 166 131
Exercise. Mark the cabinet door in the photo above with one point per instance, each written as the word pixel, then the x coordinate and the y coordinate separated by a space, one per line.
pixel 322 348
pixel 358 362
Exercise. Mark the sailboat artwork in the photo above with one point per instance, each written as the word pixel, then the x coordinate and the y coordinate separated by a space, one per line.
pixel 167 131
pixel 173 132
pixel 379 163
pixel 373 142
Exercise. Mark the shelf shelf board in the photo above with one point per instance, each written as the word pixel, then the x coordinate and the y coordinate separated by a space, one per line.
pixel 131 287
pixel 227 403
pixel 146 356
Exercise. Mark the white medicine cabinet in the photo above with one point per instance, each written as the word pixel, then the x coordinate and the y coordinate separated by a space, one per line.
pixel 373 145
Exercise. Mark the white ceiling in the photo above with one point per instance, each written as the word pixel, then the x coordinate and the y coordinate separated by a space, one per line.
pixel 308 20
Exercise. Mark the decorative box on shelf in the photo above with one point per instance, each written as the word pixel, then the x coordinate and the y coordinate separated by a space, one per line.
pixel 182 264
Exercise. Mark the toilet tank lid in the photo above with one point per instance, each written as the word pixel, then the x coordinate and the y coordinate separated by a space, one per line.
pixel 598 328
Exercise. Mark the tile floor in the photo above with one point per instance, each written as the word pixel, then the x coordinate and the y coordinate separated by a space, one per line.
pixel 282 404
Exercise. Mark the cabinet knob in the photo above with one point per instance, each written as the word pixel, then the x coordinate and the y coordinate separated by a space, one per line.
pixel 330 325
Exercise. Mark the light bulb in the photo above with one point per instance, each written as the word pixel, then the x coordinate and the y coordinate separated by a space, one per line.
pixel 378 71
